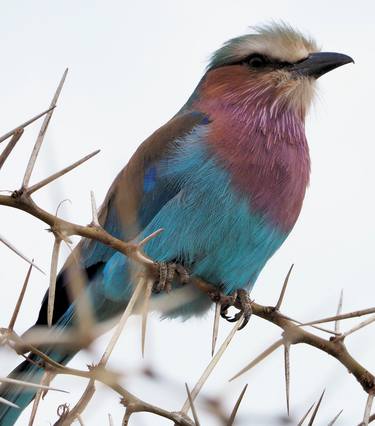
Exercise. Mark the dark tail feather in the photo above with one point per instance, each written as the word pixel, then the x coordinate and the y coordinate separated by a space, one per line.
pixel 20 395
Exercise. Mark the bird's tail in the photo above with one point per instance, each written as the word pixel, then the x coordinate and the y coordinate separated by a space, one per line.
pixel 28 371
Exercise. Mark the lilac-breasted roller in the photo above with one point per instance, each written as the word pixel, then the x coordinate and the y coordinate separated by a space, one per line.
pixel 225 178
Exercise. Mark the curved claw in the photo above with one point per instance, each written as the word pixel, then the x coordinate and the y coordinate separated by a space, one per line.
pixel 239 299
pixel 168 271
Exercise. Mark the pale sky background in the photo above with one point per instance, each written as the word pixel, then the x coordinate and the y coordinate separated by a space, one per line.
pixel 132 66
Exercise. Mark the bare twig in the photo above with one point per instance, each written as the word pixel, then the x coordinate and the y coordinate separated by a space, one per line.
pixel 236 407
pixel 282 294
pixel 25 124
pixel 73 414
pixel 90 389
pixel 9 148
pixel 13 248
pixel 20 300
pixel 42 132
pixel 62 172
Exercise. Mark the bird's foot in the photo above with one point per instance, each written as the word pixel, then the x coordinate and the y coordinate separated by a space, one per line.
pixel 168 272
pixel 239 299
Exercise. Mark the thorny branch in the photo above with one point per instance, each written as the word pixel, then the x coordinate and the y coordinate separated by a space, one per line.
pixel 293 331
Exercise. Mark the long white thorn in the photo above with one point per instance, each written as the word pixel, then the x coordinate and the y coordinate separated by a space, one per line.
pixel 120 326
pixel 13 248
pixel 9 403
pixel 94 210
pixel 334 420
pixel 316 409
pixel 23 125
pixel 52 280
pixel 20 300
pixel 42 132
pixel 29 385
pixel 193 409
pixel 208 370
pixel 338 312
pixel 9 148
pixel 259 358
pixel 236 407
pixel 215 330
pixel 287 375
pixel 145 310
pixel 366 416
pixel 300 423
pixel 283 290
pixel 62 172
pixel 37 399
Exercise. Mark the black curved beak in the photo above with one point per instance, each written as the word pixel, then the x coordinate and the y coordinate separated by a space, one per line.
pixel 320 63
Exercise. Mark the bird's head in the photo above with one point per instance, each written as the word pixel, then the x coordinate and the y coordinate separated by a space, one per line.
pixel 274 67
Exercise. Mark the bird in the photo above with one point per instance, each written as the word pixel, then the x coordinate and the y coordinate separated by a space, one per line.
pixel 225 178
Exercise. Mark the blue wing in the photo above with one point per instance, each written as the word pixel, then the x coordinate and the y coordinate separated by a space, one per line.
pixel 137 194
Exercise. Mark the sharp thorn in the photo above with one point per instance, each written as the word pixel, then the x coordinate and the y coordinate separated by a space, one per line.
pixel 341 317
pixel 236 406
pixel 6 402
pixel 9 148
pixel 259 358
pixel 208 370
pixel 13 248
pixel 25 124
pixel 30 385
pixel 338 312
pixel 192 406
pixel 300 423
pixel 20 299
pixel 366 416
pixel 287 375
pixel 316 409
pixel 94 210
pixel 145 310
pixel 333 421
pixel 282 294
pixel 42 132
pixel 52 280
pixel 150 237
pixel 62 172
pixel 215 330
pixel 37 399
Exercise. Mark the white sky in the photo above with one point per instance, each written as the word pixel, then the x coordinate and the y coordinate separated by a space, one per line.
pixel 132 66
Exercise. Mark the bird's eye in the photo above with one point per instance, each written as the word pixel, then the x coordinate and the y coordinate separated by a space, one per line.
pixel 257 61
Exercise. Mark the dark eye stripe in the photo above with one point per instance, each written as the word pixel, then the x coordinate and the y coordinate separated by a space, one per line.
pixel 267 62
